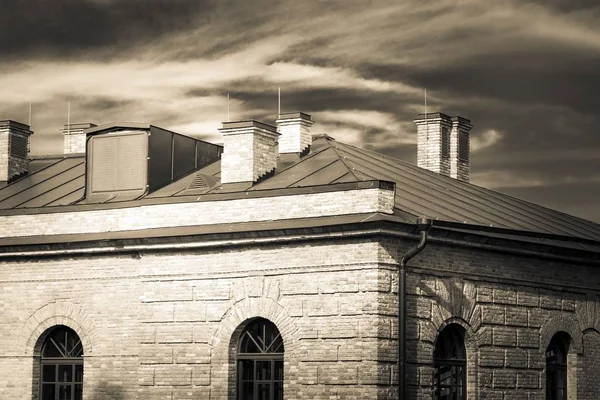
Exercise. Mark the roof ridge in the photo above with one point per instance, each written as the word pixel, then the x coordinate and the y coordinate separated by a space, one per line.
pixel 343 159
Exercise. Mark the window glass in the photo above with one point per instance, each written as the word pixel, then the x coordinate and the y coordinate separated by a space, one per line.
pixel 62 365
pixel 450 365
pixel 556 367
pixel 260 362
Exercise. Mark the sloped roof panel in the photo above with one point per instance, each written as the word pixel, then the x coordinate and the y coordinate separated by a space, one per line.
pixel 426 193
pixel 418 192
pixel 52 179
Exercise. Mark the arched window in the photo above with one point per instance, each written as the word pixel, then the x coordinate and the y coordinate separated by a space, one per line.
pixel 62 365
pixel 260 362
pixel 556 367
pixel 450 365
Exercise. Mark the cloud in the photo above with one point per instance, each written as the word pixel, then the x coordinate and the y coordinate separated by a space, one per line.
pixel 485 139
pixel 524 72
pixel 66 28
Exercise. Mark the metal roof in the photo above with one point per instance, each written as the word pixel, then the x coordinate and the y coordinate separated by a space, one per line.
pixel 419 192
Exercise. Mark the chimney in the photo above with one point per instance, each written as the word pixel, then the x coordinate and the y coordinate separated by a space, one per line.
pixel 295 132
pixel 14 151
pixel 249 151
pixel 74 137
pixel 443 144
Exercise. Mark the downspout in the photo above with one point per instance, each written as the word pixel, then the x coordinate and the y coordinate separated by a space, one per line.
pixel 423 224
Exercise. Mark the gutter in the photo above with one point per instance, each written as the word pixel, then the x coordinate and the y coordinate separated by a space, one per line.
pixel 423 224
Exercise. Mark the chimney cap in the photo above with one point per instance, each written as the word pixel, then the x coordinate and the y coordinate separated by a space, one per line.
pixel 461 120
pixel 117 126
pixel 295 115
pixel 247 124
pixel 81 125
pixel 14 124
pixel 432 116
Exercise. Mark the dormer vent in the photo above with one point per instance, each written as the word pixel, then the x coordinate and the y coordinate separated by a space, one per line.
pixel 125 161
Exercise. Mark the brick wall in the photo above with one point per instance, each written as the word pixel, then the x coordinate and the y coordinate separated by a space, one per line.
pixel 12 165
pixel 162 325
pixel 249 153
pixel 200 213
pixel 295 134
pixel 510 308
pixel 74 142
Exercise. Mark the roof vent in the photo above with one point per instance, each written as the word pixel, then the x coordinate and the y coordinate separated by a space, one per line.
pixel 201 183
pixel 125 161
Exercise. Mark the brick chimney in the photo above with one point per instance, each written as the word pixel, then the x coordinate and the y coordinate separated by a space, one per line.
pixel 249 151
pixel 295 132
pixel 74 137
pixel 14 150
pixel 443 144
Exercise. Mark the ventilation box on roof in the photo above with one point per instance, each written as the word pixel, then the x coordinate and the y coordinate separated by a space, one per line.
pixel 126 161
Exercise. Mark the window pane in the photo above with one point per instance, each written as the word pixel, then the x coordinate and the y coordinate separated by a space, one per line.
pixel 246 369
pixel 247 391
pixel 263 370
pixel 50 349
pixel 64 392
pixel 264 391
pixel 49 373
pixel 78 392
pixel 278 371
pixel 65 373
pixel 278 391
pixel 79 373
pixel 48 392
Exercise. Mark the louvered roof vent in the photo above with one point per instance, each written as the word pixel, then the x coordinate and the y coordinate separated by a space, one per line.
pixel 126 160
pixel 201 183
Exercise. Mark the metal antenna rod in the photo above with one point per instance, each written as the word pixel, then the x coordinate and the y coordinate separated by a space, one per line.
pixel 69 118
pixel 426 122
pixel 279 102
pixel 227 107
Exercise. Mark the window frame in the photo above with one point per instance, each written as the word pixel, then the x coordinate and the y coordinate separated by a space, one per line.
pixel 275 361
pixel 557 370
pixel 456 363
pixel 57 362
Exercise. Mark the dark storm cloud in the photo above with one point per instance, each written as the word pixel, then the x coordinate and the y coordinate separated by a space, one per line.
pixel 59 28
pixel 569 5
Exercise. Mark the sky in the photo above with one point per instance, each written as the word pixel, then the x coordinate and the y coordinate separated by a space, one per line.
pixel 525 72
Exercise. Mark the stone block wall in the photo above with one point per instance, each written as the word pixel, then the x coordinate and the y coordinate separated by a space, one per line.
pixel 165 325
pixel 510 307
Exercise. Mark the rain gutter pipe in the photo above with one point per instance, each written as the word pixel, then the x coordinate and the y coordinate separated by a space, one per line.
pixel 423 224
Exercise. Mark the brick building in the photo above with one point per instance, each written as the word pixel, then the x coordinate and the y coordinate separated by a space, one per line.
pixel 143 264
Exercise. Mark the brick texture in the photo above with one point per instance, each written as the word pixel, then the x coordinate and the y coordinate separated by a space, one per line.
pixel 164 324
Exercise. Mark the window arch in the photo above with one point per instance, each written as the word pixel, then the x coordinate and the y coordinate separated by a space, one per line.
pixel 260 362
pixel 450 364
pixel 556 367
pixel 61 365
